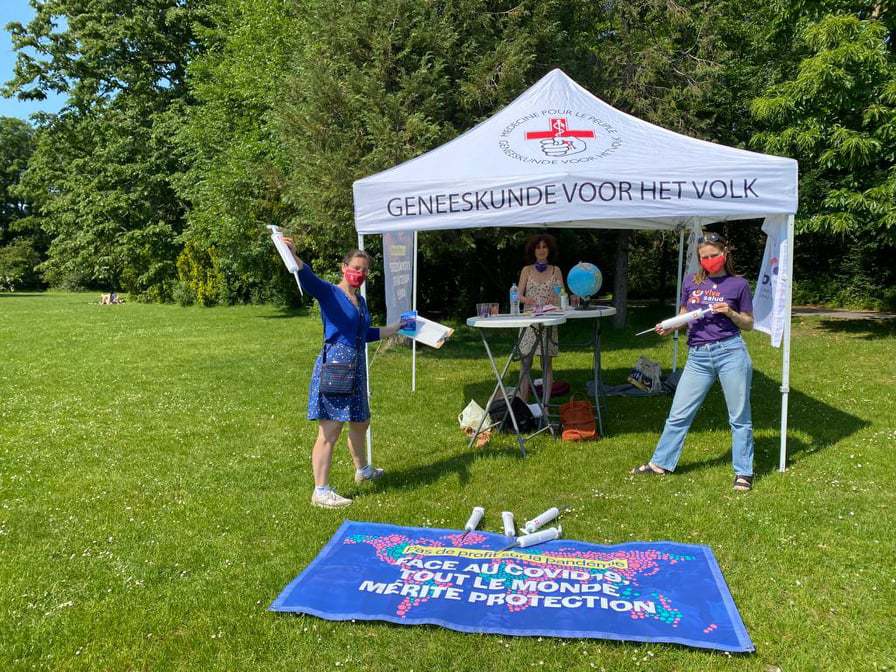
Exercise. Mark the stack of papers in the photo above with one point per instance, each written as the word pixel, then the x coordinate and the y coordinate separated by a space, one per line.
pixel 428 332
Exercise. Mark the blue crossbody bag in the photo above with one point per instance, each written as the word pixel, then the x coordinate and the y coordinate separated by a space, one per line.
pixel 339 377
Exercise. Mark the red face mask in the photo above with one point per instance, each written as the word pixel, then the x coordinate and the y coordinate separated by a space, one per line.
pixel 353 277
pixel 714 264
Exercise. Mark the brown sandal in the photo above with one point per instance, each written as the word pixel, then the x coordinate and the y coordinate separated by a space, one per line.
pixel 743 483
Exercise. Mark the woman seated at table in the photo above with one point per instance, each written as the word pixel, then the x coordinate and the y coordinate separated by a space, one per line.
pixel 539 283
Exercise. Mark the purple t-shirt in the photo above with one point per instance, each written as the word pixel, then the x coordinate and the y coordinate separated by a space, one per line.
pixel 730 289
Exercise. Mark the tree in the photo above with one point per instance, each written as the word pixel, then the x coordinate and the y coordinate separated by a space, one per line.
pixel 101 173
pixel 16 147
pixel 835 112
pixel 837 115
pixel 391 79
pixel 237 160
pixel 21 241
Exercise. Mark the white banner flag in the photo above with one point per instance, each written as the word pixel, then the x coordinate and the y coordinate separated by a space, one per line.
pixel 773 285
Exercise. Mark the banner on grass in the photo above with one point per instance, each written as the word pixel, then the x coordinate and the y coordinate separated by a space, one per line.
pixel 639 591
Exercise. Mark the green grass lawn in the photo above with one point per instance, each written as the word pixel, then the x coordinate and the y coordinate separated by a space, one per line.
pixel 155 477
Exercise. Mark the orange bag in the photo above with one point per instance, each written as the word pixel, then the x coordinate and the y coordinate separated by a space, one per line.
pixel 577 418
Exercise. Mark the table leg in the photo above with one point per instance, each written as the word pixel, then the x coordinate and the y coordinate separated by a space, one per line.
pixel 598 382
pixel 545 390
pixel 500 379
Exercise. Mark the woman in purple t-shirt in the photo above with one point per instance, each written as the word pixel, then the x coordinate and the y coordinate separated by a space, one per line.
pixel 716 351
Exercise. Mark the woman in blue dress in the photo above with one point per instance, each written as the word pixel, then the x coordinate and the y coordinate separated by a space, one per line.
pixel 346 321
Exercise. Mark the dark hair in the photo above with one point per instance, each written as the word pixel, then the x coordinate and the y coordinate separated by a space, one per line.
pixel 347 259
pixel 717 241
pixel 533 242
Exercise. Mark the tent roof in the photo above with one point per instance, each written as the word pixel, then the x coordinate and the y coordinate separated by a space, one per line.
pixel 560 156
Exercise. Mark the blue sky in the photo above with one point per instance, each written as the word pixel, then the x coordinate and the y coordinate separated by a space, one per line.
pixel 18 10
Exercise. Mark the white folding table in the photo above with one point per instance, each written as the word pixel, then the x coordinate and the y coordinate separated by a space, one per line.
pixel 518 322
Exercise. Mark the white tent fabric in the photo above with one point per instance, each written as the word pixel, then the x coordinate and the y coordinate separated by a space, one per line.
pixel 558 156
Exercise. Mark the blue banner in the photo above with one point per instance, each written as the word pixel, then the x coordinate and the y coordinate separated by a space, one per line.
pixel 398 266
pixel 639 591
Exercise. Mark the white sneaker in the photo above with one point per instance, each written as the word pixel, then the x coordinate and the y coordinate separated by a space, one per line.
pixel 329 500
pixel 376 474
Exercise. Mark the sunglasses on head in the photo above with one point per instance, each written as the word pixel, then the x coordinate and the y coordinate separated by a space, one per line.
pixel 711 237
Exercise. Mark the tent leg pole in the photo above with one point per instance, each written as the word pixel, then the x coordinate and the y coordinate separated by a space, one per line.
pixel 785 373
pixel 366 366
pixel 414 342
pixel 678 298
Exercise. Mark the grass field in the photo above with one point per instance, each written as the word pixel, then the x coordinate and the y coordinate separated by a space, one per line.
pixel 155 477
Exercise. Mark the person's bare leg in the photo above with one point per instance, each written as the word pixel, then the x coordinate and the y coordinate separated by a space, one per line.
pixel 525 376
pixel 322 454
pixel 357 443
pixel 357 433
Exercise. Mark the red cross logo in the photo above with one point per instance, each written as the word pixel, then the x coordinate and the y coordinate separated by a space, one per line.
pixel 559 129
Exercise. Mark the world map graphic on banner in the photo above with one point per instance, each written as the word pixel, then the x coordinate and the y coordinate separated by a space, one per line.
pixel 639 591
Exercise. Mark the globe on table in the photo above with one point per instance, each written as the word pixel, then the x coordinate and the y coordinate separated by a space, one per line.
pixel 584 280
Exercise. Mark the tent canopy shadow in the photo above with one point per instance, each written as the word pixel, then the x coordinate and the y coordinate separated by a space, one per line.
pixel 813 424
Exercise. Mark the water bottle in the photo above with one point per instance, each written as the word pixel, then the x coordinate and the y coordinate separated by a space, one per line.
pixel 514 300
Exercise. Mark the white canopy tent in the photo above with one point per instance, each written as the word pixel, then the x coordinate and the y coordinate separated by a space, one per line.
pixel 558 156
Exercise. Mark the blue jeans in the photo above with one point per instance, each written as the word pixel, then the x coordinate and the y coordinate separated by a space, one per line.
pixel 730 362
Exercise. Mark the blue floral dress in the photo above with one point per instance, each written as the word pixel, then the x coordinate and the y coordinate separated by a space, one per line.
pixel 352 407
pixel 342 322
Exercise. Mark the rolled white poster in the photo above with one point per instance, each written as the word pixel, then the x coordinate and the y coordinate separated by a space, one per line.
pixel 474 519
pixel 509 524
pixel 539 537
pixel 541 520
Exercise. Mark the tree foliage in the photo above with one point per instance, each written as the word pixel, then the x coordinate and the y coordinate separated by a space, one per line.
pixel 101 173
pixel 21 240
pixel 191 124
pixel 236 159
pixel 16 147
pixel 837 115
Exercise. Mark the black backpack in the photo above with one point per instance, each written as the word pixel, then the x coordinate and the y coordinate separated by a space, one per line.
pixel 521 411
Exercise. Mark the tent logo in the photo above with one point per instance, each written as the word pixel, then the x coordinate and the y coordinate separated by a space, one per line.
pixel 560 140
pixel 556 137
pixel 773 265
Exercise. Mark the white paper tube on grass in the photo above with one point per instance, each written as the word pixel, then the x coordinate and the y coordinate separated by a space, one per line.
pixel 509 525
pixel 539 537
pixel 474 519
pixel 542 520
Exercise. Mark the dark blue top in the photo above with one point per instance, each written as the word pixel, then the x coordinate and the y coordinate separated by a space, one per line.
pixel 341 319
